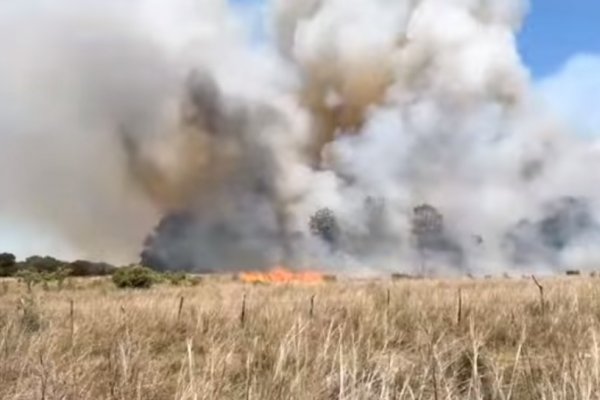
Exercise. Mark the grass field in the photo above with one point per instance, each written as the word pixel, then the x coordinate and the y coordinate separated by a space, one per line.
pixel 337 340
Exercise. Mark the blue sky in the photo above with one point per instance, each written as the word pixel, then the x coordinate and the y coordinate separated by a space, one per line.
pixel 556 30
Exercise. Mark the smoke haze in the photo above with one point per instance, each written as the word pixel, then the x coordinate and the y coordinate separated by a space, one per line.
pixel 409 129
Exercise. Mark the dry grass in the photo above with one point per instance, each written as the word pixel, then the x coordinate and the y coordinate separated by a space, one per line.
pixel 359 343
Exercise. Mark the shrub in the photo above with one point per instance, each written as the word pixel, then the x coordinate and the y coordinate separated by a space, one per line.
pixel 176 278
pixel 60 275
pixel 29 276
pixel 180 279
pixel 32 277
pixel 136 276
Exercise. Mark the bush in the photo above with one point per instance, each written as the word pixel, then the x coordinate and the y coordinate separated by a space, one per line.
pixel 136 276
pixel 32 277
pixel 59 276
pixel 175 278
pixel 29 277
pixel 180 279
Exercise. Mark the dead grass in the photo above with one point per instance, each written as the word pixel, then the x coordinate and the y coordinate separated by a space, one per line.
pixel 360 342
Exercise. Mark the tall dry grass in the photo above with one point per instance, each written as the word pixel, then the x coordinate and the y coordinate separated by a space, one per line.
pixel 91 341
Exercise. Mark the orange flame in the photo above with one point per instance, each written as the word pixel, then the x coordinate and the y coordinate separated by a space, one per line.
pixel 282 275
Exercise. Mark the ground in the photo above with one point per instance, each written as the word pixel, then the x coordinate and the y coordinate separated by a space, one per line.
pixel 222 339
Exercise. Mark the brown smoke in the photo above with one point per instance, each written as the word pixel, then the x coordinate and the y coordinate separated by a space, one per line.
pixel 190 161
pixel 339 98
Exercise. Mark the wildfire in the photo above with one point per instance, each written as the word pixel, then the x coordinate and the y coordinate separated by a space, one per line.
pixel 282 275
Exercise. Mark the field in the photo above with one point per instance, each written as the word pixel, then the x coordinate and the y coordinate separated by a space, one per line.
pixel 403 339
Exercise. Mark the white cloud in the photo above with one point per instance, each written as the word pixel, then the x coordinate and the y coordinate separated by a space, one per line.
pixel 573 94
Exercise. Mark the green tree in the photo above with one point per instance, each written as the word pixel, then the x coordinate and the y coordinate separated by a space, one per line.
pixel 8 264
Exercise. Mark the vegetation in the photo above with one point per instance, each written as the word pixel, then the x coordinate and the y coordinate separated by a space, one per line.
pixel 88 268
pixel 432 241
pixel 50 265
pixel 135 277
pixel 403 339
pixel 324 225
pixel 179 279
pixel 7 264
pixel 32 277
pixel 43 264
pixel 48 272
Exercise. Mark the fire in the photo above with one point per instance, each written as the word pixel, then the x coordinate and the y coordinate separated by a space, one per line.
pixel 282 275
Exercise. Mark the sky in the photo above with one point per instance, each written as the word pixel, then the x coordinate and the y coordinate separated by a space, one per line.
pixel 560 44
pixel 556 30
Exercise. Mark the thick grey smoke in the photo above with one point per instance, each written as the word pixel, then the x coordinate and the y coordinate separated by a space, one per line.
pixel 92 143
pixel 360 135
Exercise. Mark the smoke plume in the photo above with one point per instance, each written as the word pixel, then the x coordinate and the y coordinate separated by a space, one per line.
pixel 357 135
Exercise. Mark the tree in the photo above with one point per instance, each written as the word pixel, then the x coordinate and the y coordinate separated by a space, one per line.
pixel 324 224
pixel 427 224
pixel 427 229
pixel 43 264
pixel 431 238
pixel 89 268
pixel 8 264
pixel 564 221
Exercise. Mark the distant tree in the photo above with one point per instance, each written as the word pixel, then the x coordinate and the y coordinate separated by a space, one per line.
pixel 563 222
pixel 43 264
pixel 427 224
pixel 324 224
pixel 7 259
pixel 8 264
pixel 431 238
pixel 427 229
pixel 89 268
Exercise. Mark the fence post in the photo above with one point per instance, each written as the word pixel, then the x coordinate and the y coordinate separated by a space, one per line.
pixel 180 308
pixel 243 312
pixel 459 307
pixel 541 289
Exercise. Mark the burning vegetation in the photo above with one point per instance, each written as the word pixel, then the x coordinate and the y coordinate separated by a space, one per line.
pixel 282 275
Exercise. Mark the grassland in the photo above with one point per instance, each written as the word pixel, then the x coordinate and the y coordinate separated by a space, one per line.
pixel 339 340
